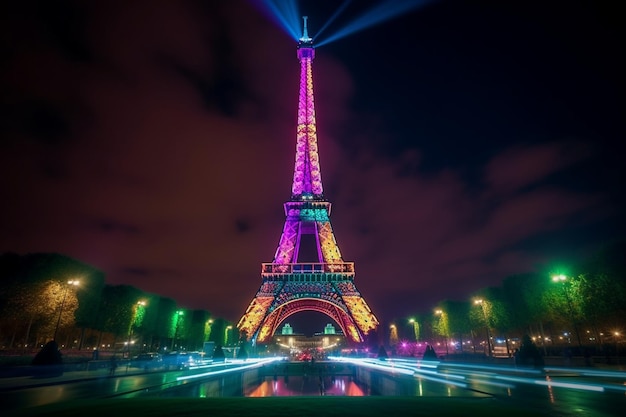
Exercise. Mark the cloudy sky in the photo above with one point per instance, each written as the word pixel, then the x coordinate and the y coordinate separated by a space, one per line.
pixel 460 142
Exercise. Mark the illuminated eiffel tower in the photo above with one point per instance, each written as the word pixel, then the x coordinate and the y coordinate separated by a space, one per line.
pixel 289 285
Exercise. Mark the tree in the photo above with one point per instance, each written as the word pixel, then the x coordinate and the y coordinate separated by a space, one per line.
pixel 458 319
pixel 117 309
pixel 33 288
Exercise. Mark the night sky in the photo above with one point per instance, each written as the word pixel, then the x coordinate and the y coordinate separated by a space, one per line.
pixel 460 143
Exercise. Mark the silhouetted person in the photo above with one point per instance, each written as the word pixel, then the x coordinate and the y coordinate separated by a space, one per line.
pixel 430 354
pixel 382 353
pixel 49 357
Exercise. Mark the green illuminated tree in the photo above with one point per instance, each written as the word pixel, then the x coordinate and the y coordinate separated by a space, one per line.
pixel 458 319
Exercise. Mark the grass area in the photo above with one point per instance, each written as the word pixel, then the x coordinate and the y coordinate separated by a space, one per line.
pixel 283 407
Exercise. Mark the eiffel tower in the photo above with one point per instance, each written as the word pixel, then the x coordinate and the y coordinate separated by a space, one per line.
pixel 290 285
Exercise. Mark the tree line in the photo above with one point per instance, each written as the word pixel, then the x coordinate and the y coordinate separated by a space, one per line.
pixel 580 308
pixel 51 296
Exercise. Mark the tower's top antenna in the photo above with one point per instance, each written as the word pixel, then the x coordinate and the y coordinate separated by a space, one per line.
pixel 305 33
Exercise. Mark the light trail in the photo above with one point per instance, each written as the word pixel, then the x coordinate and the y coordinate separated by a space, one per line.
pixel 404 367
pixel 418 363
pixel 487 375
pixel 494 368
pixel 369 363
pixel 249 364
pixel 552 383
pixel 588 372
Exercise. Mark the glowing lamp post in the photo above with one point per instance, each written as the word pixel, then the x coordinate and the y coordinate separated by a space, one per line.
pixel 207 329
pixel 226 330
pixel 444 325
pixel 393 335
pixel 73 282
pixel 563 280
pixel 133 319
pixel 416 328
pixel 482 306
pixel 179 314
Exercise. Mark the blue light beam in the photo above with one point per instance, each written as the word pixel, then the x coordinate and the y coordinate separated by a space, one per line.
pixel 285 13
pixel 332 18
pixel 377 15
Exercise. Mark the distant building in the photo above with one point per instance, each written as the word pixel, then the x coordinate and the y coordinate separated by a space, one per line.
pixel 329 329
pixel 287 329
pixel 294 343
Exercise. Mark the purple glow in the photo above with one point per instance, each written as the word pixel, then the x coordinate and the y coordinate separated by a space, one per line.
pixel 307 179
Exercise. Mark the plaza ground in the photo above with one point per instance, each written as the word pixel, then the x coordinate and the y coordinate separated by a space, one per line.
pixel 285 407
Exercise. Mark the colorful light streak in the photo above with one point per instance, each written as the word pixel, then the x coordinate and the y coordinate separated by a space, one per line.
pixel 468 373
pixel 552 383
pixel 587 372
pixel 236 366
pixel 371 364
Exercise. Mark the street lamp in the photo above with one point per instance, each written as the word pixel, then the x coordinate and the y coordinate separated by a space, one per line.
pixel 393 335
pixel 179 313
pixel 74 282
pixel 443 326
pixel 207 329
pixel 563 280
pixel 133 319
pixel 482 306
pixel 226 330
pixel 416 328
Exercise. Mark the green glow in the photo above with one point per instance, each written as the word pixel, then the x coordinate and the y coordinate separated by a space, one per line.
pixel 175 322
pixel 207 330
pixel 319 215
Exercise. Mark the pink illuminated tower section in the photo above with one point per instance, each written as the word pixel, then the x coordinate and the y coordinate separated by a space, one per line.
pixel 291 285
pixel 307 178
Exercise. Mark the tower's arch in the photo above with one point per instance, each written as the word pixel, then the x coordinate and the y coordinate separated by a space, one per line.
pixel 332 310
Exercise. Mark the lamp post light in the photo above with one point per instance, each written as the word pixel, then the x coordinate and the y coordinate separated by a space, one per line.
pixel 441 314
pixel 563 280
pixel 416 328
pixel 393 335
pixel 226 330
pixel 179 314
pixel 207 329
pixel 482 306
pixel 133 319
pixel 74 282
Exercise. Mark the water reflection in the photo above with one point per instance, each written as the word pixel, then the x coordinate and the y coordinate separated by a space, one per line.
pixel 300 385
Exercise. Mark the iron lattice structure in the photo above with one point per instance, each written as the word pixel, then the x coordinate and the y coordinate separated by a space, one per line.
pixel 288 286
